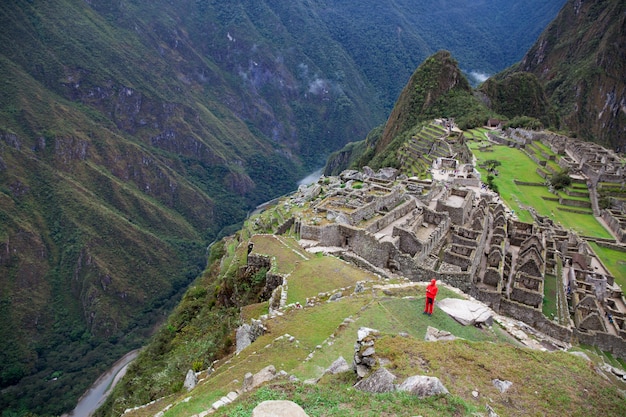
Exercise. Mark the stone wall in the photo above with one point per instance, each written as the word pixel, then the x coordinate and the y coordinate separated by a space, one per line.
pixel 367 246
pixel 466 182
pixel 458 215
pixel 384 203
pixel 407 241
pixel 457 259
pixel 536 319
pixel 460 240
pixel 490 297
pixel 574 203
pixel 533 184
pixel 614 221
pixel 492 276
pixel 258 261
pixel 393 215
pixel 434 239
pixel 283 228
pixel 526 296
pixel 604 341
pixel 326 235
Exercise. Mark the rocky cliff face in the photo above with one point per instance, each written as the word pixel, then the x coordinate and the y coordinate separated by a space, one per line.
pixel 580 60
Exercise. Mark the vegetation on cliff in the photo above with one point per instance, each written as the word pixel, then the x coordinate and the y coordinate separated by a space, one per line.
pixel 580 61
pixel 519 94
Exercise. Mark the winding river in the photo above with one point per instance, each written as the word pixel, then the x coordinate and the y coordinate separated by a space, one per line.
pixel 99 391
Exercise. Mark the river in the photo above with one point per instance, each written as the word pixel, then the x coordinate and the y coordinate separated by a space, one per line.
pixel 100 390
pixel 312 177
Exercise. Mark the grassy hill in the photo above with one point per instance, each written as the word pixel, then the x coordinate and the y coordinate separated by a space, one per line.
pixel 304 342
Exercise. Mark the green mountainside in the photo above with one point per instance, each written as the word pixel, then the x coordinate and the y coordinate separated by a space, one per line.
pixel 436 89
pixel 133 134
pixel 580 62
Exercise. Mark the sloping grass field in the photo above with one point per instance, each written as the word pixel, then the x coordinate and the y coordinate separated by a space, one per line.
pixel 305 341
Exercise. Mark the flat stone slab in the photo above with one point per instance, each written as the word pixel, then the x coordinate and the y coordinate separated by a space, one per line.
pixel 466 312
pixel 278 408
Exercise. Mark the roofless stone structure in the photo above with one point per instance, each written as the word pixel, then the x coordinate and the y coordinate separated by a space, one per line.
pixel 464 236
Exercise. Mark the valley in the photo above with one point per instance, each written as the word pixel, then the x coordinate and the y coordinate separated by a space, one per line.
pixel 133 134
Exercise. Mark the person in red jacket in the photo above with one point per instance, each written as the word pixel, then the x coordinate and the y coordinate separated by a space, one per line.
pixel 431 293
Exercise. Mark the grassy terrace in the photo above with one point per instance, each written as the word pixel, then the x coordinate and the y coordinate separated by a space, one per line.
pixel 516 165
pixel 614 260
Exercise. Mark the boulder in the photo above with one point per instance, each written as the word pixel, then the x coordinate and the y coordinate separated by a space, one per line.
pixel 380 381
pixel 502 386
pixel 364 332
pixel 191 380
pixel 466 312
pixel 423 386
pixel 339 366
pixel 248 333
pixel 278 408
pixel 435 335
pixel 251 381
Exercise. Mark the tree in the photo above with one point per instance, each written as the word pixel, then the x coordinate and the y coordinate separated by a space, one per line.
pixel 561 180
pixel 492 164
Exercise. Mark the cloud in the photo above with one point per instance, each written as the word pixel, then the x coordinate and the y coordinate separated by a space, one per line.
pixel 478 77
pixel 318 86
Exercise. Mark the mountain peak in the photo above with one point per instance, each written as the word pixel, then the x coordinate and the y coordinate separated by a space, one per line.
pixel 436 76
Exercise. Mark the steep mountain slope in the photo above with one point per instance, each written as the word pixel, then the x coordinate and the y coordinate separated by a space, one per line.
pixel 436 89
pixel 134 133
pixel 437 77
pixel 519 94
pixel 580 60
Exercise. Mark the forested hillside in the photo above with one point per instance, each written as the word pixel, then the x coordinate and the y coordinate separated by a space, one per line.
pixel 580 61
pixel 133 133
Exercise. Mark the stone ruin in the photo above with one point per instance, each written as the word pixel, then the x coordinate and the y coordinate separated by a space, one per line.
pixel 464 236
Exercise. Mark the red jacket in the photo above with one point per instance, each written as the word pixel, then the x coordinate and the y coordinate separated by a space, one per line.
pixel 431 289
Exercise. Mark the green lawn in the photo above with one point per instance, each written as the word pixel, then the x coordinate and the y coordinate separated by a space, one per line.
pixel 516 165
pixel 614 260
pixel 549 307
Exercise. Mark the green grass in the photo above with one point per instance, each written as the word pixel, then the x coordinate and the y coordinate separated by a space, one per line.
pixel 335 397
pixel 321 274
pixel 614 261
pixel 549 291
pixel 517 165
pixel 286 256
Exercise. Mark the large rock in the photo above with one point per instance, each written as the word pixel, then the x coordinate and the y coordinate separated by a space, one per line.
pixel 380 381
pixel 191 380
pixel 251 381
pixel 248 333
pixel 502 386
pixel 278 408
pixel 423 386
pixel 436 335
pixel 339 366
pixel 466 312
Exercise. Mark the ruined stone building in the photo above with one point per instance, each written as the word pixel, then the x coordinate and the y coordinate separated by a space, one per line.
pixel 458 233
